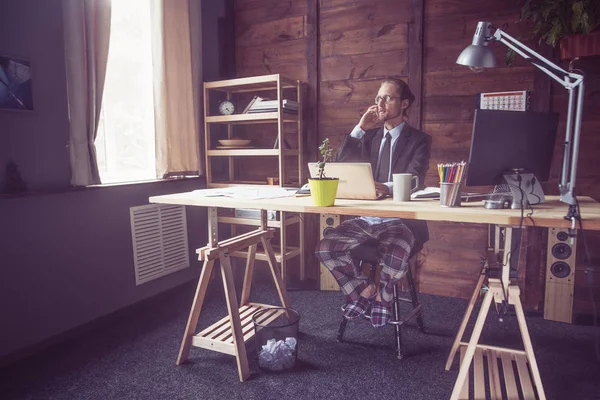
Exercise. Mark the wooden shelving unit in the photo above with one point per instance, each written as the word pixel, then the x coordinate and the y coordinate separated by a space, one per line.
pixel 271 86
pixel 256 222
pixel 281 226
pixel 266 86
pixel 291 252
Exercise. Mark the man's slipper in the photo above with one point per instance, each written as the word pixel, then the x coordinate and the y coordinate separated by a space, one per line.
pixel 355 309
pixel 380 315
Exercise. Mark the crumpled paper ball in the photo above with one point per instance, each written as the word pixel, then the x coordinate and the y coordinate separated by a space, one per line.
pixel 277 355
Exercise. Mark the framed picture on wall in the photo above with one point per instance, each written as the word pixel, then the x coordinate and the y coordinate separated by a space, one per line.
pixel 15 84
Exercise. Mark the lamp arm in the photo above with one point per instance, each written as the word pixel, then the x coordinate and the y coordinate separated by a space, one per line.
pixel 573 82
pixel 568 188
pixel 551 69
pixel 539 65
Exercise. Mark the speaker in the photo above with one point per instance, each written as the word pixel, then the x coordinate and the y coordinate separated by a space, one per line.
pixel 327 223
pixel 560 276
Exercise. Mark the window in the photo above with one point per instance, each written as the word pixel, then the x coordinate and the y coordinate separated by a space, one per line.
pixel 125 142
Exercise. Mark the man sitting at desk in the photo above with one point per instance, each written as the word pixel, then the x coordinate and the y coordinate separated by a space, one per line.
pixel 394 148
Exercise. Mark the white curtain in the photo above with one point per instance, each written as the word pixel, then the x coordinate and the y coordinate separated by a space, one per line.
pixel 176 84
pixel 86 34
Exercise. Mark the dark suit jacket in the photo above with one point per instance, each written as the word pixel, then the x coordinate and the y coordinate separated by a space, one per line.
pixel 411 155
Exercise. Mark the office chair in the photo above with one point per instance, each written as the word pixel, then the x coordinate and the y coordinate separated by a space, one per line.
pixel 368 252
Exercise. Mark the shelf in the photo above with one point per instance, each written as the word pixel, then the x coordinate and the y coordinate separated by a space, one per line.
pixel 251 152
pixel 513 374
pixel 252 84
pixel 212 185
pixel 219 337
pixel 230 219
pixel 258 118
pixel 261 255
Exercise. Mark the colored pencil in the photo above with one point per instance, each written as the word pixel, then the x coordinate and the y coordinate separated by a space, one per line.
pixel 452 173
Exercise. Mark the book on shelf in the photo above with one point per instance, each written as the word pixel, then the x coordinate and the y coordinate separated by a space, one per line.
pixel 268 110
pixel 275 103
pixel 258 105
pixel 255 100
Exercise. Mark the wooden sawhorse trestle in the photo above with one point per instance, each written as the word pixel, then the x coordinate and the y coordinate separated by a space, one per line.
pixel 519 367
pixel 230 334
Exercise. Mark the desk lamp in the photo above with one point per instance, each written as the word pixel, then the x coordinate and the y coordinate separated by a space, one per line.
pixel 478 56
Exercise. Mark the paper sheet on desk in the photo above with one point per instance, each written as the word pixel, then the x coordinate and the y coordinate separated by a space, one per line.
pixel 427 193
pixel 247 193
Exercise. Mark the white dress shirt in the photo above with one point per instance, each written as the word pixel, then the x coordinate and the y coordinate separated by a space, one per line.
pixel 358 133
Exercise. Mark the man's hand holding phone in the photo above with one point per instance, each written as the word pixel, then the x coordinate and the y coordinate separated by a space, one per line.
pixel 370 119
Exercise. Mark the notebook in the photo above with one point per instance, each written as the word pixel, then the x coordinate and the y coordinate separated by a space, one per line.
pixel 356 179
pixel 433 193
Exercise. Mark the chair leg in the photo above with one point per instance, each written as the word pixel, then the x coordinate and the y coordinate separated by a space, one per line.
pixel 414 299
pixel 399 346
pixel 341 329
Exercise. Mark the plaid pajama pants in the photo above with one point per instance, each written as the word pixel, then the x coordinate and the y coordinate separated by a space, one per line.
pixel 396 242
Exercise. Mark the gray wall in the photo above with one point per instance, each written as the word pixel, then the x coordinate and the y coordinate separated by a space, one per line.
pixel 66 258
pixel 37 140
pixel 212 10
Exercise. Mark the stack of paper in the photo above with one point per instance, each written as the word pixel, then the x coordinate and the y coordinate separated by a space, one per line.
pixel 247 193
pixel 427 193
pixel 260 105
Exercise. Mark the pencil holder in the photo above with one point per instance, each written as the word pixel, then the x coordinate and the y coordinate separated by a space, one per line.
pixel 450 193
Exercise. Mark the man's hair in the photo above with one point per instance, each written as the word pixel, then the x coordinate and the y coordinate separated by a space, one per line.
pixel 402 87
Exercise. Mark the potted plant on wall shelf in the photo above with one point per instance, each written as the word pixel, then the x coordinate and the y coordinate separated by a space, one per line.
pixel 573 24
pixel 323 189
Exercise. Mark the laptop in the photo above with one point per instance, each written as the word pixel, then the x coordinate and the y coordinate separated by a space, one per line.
pixel 356 179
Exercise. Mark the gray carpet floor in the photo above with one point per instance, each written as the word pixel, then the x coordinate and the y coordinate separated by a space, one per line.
pixel 133 357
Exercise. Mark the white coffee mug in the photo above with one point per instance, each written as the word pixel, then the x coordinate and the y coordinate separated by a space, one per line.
pixel 401 186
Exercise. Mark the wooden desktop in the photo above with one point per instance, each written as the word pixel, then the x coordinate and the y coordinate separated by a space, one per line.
pixel 548 215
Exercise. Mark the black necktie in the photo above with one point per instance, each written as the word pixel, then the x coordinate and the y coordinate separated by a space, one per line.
pixel 383 171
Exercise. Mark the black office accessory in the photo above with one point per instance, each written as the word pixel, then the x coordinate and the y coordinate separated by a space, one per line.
pixel 515 148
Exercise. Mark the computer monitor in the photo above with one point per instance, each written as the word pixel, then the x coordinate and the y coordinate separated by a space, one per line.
pixel 508 146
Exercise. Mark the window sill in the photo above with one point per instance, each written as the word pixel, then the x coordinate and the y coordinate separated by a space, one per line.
pixel 129 183
pixel 72 189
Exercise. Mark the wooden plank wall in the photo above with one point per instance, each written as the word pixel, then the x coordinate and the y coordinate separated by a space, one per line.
pixel 361 41
pixel 452 255
pixel 270 37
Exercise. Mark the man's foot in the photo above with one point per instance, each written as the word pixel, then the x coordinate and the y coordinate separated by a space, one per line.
pixel 369 291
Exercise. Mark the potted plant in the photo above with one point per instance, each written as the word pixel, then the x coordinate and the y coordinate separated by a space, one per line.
pixel 570 23
pixel 323 189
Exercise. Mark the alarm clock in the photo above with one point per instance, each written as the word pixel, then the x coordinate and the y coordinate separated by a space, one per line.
pixel 226 107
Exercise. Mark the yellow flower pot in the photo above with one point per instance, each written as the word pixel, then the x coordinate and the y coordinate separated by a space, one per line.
pixel 323 191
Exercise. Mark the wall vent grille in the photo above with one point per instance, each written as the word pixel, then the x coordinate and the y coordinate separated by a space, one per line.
pixel 160 240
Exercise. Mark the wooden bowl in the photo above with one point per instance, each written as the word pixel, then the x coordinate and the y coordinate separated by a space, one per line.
pixel 235 142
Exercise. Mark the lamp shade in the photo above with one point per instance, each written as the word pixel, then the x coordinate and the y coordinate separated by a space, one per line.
pixel 477 55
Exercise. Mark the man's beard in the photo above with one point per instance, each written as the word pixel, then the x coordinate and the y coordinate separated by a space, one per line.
pixel 386 118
